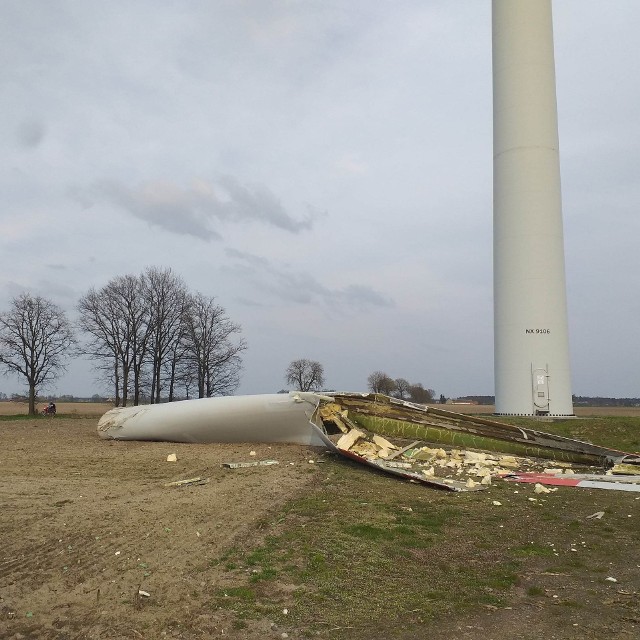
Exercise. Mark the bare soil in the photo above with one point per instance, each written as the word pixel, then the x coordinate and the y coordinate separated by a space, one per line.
pixel 85 523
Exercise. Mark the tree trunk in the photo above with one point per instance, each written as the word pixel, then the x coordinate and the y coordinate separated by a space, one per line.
pixel 116 378
pixel 32 399
pixel 125 387
pixel 157 375
pixel 172 379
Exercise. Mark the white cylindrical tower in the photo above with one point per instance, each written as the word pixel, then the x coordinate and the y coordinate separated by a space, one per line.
pixel 532 371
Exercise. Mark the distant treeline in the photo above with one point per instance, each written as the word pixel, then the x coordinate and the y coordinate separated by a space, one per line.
pixel 477 399
pixel 606 402
pixel 588 401
pixel 20 397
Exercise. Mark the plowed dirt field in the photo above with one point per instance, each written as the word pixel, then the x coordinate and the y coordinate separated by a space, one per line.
pixel 86 523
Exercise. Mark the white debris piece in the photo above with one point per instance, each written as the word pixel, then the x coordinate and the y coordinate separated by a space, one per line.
pixel 474 457
pixel 365 449
pixel 349 439
pixel 508 461
pixel 172 457
pixel 393 464
pixel 540 488
pixel 383 443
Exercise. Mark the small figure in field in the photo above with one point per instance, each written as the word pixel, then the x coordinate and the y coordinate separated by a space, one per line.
pixel 50 409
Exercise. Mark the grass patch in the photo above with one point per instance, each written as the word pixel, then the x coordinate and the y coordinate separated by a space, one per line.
pixel 369 532
pixel 239 593
pixel 366 548
pixel 621 433
pixel 532 549
pixel 571 603
pixel 373 560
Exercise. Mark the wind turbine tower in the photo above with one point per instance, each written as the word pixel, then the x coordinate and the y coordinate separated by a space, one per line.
pixel 532 370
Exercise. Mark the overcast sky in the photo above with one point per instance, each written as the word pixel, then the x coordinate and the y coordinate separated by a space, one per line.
pixel 322 167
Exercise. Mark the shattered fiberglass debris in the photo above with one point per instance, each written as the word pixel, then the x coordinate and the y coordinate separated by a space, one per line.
pixel 456 451
pixel 440 448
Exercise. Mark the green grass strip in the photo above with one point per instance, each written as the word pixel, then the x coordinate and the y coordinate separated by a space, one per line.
pixel 427 433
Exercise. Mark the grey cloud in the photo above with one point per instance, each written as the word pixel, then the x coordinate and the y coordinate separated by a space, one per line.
pixel 85 198
pixel 257 202
pixel 192 210
pixel 164 205
pixel 30 133
pixel 248 258
pixel 364 296
pixel 302 288
pixel 248 303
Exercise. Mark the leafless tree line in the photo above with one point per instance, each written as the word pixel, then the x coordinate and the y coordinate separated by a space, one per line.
pixel 380 382
pixel 152 339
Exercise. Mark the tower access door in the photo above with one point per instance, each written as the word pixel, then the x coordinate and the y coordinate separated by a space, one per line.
pixel 540 380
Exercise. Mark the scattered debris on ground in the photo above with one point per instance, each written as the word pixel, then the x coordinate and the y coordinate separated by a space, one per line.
pixel 188 483
pixel 257 463
pixel 584 480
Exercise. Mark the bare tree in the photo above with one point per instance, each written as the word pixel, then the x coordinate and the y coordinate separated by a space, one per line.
pixel 380 382
pixel 128 295
pixel 100 322
pixel 305 375
pixel 176 366
pixel 35 340
pixel 212 352
pixel 402 388
pixel 116 319
pixel 417 393
pixel 166 298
